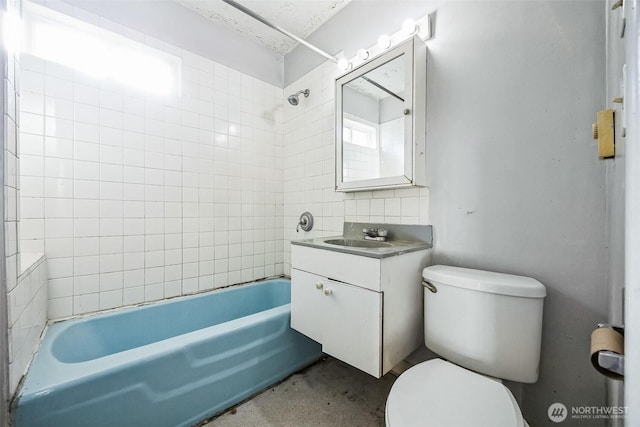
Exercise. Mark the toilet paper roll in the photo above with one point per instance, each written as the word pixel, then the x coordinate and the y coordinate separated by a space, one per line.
pixel 606 339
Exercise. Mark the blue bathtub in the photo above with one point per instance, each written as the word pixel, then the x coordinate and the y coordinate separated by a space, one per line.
pixel 172 364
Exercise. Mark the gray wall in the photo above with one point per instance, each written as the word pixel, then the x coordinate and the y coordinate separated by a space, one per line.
pixel 368 108
pixel 390 109
pixel 515 181
pixel 516 184
pixel 358 104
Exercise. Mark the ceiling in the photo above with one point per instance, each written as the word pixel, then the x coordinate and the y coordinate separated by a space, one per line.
pixel 300 17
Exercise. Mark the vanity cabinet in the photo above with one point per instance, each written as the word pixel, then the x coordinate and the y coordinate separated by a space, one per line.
pixel 365 311
pixel 345 318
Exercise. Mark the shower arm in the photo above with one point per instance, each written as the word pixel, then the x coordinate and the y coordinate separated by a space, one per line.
pixel 270 24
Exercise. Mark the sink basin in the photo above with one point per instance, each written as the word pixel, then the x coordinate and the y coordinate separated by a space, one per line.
pixel 356 243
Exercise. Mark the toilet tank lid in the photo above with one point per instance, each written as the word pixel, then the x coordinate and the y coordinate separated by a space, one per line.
pixel 485 281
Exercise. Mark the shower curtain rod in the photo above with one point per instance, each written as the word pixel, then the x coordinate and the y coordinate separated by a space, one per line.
pixel 270 24
pixel 382 88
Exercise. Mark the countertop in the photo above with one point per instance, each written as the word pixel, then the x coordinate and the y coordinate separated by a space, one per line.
pixel 402 239
pixel 395 248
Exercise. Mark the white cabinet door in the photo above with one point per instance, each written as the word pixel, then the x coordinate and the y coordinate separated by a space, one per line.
pixel 352 325
pixel 345 319
pixel 306 303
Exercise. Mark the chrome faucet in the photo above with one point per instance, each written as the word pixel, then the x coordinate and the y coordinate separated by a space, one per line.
pixel 377 234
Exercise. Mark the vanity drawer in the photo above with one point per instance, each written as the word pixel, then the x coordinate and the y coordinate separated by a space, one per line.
pixel 357 270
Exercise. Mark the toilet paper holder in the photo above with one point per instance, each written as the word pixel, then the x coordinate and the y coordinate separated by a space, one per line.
pixel 618 328
pixel 610 360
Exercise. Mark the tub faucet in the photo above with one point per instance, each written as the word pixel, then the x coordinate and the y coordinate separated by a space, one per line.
pixel 377 234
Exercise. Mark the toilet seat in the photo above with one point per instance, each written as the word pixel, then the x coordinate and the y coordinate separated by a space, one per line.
pixel 440 394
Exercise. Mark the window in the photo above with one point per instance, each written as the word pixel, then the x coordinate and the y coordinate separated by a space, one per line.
pixel 99 53
pixel 358 133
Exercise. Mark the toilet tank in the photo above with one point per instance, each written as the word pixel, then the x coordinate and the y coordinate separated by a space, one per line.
pixel 488 322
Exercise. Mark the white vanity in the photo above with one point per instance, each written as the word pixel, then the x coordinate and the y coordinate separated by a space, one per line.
pixel 361 299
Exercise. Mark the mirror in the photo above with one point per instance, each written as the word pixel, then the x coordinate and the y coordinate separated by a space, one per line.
pixel 380 120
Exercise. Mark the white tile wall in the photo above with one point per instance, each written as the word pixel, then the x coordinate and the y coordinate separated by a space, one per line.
pixel 361 162
pixel 27 317
pixel 27 291
pixel 309 179
pixel 11 189
pixel 137 198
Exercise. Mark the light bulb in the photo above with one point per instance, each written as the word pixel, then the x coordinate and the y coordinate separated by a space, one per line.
pixel 363 54
pixel 343 64
pixel 384 41
pixel 409 27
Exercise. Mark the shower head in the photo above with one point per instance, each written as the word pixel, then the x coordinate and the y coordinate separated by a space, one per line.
pixel 293 99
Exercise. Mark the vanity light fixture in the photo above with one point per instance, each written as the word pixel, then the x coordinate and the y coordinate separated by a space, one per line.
pixel 343 64
pixel 363 54
pixel 420 28
pixel 409 27
pixel 384 41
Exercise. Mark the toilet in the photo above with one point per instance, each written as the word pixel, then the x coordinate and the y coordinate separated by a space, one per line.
pixel 487 327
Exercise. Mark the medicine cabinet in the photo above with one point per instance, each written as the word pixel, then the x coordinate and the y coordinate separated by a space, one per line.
pixel 380 121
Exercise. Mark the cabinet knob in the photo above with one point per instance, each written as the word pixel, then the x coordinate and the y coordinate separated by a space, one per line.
pixel 327 292
pixel 318 285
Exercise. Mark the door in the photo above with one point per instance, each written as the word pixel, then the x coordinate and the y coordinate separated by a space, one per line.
pixel 352 325
pixel 306 301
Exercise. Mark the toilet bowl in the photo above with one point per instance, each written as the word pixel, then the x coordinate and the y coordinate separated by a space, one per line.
pixel 439 393
pixel 488 327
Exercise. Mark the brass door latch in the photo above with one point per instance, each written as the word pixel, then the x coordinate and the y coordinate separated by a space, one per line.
pixel 603 131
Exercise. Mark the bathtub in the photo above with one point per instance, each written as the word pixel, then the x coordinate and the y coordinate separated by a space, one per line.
pixel 172 363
